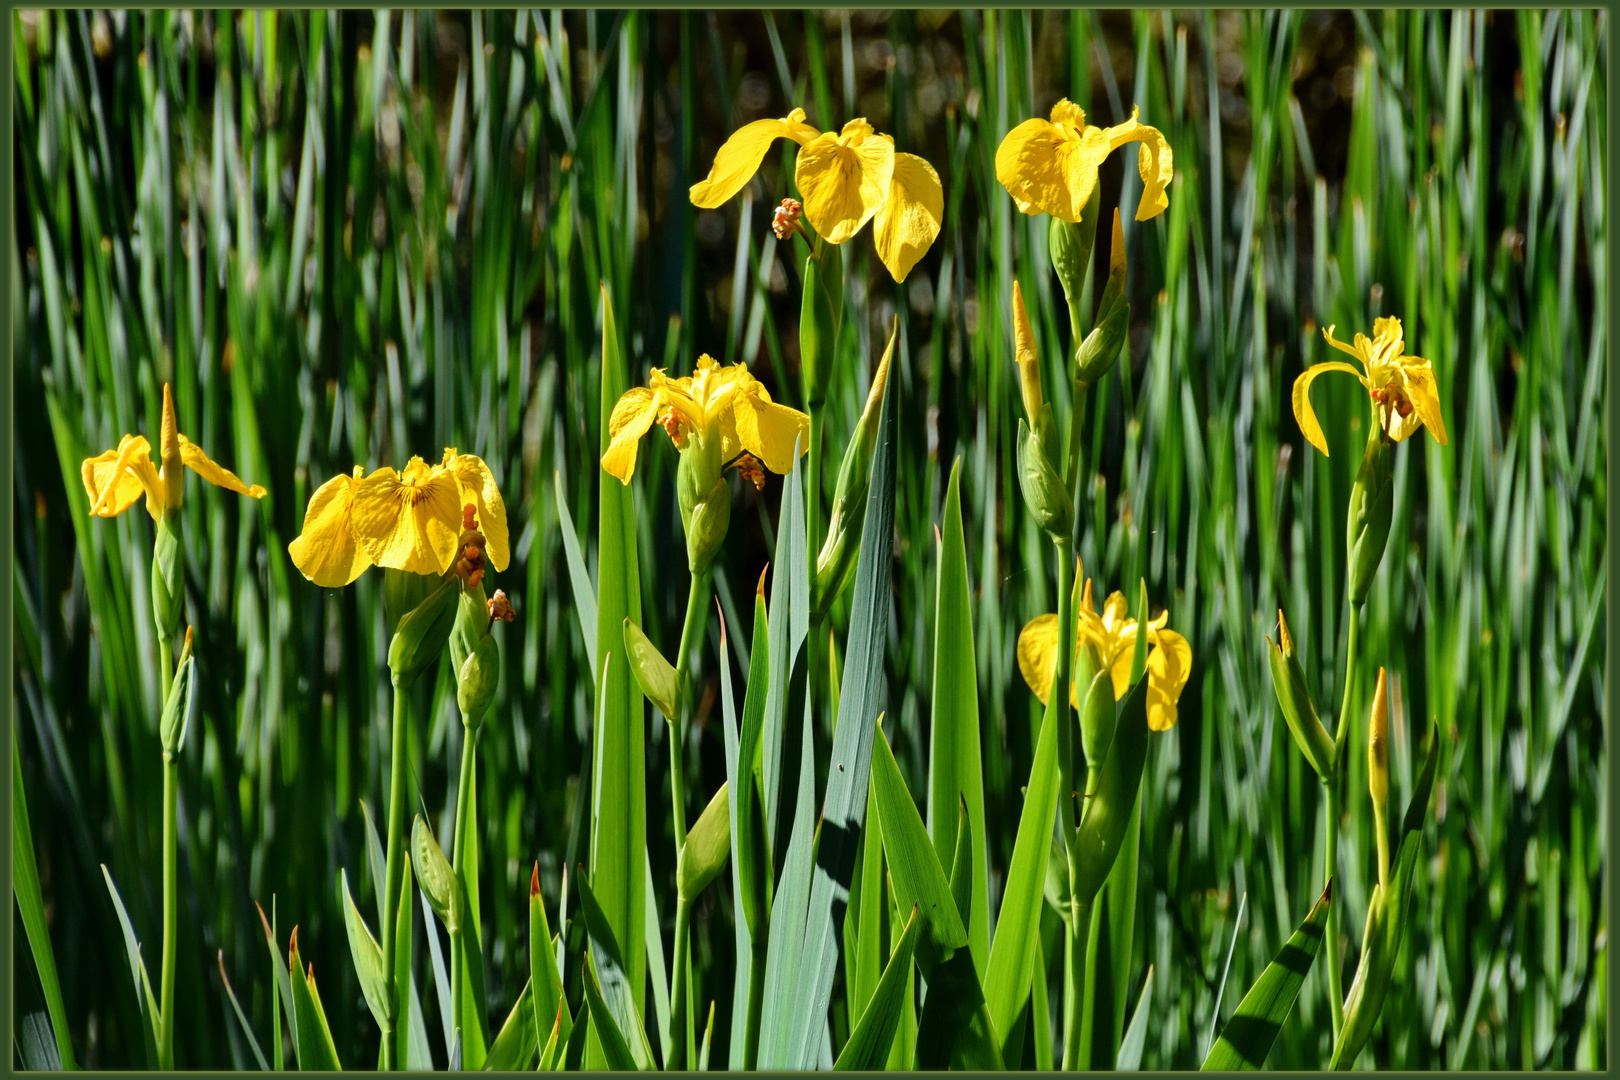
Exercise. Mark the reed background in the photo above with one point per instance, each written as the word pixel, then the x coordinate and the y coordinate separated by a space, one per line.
pixel 348 238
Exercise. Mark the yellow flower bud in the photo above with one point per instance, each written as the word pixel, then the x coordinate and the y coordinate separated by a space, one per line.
pixel 1378 772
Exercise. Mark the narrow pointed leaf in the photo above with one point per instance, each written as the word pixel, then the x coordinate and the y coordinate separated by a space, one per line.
pixel 1249 1034
pixel 868 1046
pixel 515 1043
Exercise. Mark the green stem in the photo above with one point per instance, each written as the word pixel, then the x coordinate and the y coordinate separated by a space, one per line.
pixel 469 753
pixel 676 1060
pixel 393 872
pixel 697 609
pixel 165 668
pixel 1335 804
pixel 1078 934
pixel 171 800
pixel 756 997
pixel 458 981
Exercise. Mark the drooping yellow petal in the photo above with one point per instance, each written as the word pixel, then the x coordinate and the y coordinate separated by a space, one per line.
pixel 767 430
pixel 633 414
pixel 410 520
pixel 115 479
pixel 1037 654
pixel 1424 394
pixel 1154 162
pixel 325 551
pixel 478 488
pixel 740 156
pixel 1119 662
pixel 1303 413
pixel 199 463
pixel 1169 664
pixel 909 221
pixel 844 179
pixel 1033 163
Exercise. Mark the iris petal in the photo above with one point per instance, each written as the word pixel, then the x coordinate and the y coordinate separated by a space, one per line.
pixel 740 156
pixel 115 479
pixel 409 521
pixel 1037 654
pixel 633 414
pixel 199 463
pixel 769 431
pixel 1303 413
pixel 478 488
pixel 845 179
pixel 325 551
pixel 909 221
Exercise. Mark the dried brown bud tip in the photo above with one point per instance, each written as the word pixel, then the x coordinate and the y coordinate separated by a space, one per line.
pixel 785 222
pixel 534 881
pixel 501 608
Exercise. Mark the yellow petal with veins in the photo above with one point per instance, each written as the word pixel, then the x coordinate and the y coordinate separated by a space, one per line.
pixel 199 463
pixel 845 179
pixel 769 431
pixel 1037 654
pixel 909 221
pixel 325 551
pixel 410 520
pixel 478 488
pixel 740 156
pixel 1034 164
pixel 1303 413
pixel 633 414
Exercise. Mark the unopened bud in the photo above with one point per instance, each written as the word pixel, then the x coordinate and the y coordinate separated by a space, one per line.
pixel 1029 366
pixel 177 707
pixel 1098 713
pixel 476 681
pixel 1070 245
pixel 706 523
pixel 169 574
pixel 1372 501
pixel 1042 486
pixel 424 632
pixel 707 847
pixel 435 875
pixel 1378 772
pixel 654 674
pixel 835 563
pixel 1294 698
pixel 172 466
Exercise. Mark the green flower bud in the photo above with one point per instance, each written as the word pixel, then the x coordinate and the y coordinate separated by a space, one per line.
pixel 654 674
pixel 169 577
pixel 424 632
pixel 820 309
pixel 177 707
pixel 1042 486
pixel 707 847
pixel 476 681
pixel 705 500
pixel 1294 698
pixel 402 592
pixel 1070 246
pixel 1097 710
pixel 435 875
pixel 835 564
pixel 1371 505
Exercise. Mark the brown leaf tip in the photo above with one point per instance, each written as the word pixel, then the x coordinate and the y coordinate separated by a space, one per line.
pixel 534 882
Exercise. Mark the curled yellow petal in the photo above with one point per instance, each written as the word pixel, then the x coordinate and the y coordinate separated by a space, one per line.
pixel 633 414
pixel 1154 162
pixel 909 221
pixel 844 179
pixel 199 463
pixel 1037 654
pixel 1303 413
pixel 478 488
pixel 410 520
pixel 740 156
pixel 325 551
pixel 115 479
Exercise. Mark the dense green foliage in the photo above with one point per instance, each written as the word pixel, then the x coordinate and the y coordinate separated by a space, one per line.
pixel 350 238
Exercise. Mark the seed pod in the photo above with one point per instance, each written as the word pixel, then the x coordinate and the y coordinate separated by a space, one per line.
pixel 1294 698
pixel 1042 486
pixel 1371 505
pixel 1070 245
pixel 707 847
pixel 424 632
pixel 477 679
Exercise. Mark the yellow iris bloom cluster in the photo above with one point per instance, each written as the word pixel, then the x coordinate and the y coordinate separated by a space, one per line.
pixel 409 520
pixel 1112 634
pixel 725 403
pixel 846 180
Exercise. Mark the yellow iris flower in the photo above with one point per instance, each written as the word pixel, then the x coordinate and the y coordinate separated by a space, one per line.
pixel 716 403
pixel 1112 632
pixel 1403 391
pixel 845 179
pixel 115 479
pixel 409 520
pixel 1051 166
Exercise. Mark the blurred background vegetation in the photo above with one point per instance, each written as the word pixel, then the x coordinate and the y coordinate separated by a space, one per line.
pixel 352 237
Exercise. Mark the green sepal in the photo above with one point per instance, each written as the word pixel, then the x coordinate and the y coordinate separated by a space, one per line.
pixel 434 874
pixel 1044 492
pixel 177 707
pixel 424 632
pixel 1109 813
pixel 368 961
